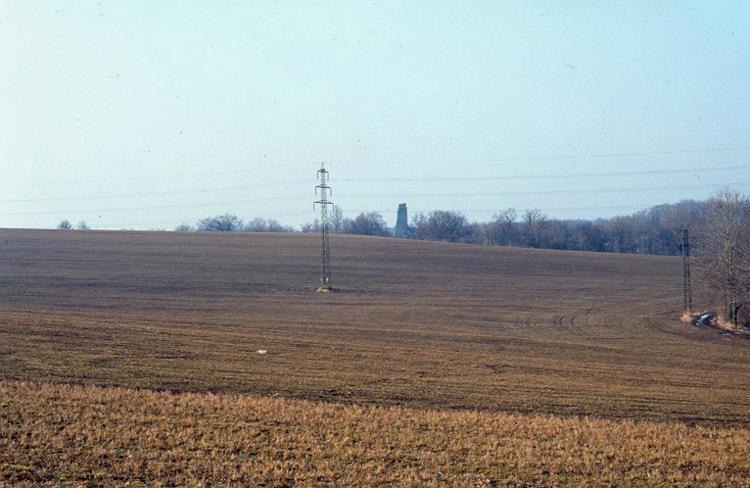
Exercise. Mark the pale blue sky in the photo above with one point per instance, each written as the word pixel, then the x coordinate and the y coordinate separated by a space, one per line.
pixel 151 113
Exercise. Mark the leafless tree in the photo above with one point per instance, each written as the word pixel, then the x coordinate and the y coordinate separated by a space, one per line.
pixel 724 252
pixel 222 223
pixel 256 225
pixel 369 224
pixel 313 226
pixel 534 223
pixel 275 226
pixel 262 225
pixel 82 225
pixel 441 225
pixel 64 225
pixel 337 219
pixel 503 229
pixel 621 234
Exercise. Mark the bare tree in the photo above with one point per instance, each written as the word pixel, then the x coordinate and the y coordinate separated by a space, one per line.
pixel 275 226
pixel 64 225
pixel 587 236
pixel 262 225
pixel 725 252
pixel 257 224
pixel 441 225
pixel 369 224
pixel 621 234
pixel 337 219
pixel 82 225
pixel 222 223
pixel 534 222
pixel 503 229
pixel 313 226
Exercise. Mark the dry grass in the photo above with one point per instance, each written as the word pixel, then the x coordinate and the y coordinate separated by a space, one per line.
pixel 420 324
pixel 726 324
pixel 688 317
pixel 57 434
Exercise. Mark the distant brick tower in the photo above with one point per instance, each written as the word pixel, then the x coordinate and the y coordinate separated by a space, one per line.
pixel 402 222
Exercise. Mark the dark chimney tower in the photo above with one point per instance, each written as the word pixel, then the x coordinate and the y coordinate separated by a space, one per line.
pixel 402 222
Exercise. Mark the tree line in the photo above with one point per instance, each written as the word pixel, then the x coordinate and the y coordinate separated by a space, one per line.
pixel 231 223
pixel 653 231
pixel 657 230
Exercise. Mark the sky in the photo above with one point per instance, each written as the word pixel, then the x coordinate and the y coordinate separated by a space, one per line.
pixel 148 114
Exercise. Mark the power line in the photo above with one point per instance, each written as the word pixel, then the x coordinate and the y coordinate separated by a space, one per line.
pixel 516 193
pixel 401 195
pixel 372 162
pixel 553 158
pixel 151 178
pixel 557 192
pixel 296 182
pixel 159 207
pixel 554 175
pixel 157 193
pixel 544 209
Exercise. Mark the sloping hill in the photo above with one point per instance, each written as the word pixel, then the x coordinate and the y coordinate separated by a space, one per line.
pixel 421 324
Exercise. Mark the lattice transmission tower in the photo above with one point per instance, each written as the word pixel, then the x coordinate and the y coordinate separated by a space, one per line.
pixel 322 191
pixel 687 288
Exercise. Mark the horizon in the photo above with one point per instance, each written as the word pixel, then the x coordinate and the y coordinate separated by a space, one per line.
pixel 299 228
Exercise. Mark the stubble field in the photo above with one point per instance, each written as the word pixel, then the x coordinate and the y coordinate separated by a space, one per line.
pixel 426 327
pixel 60 434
